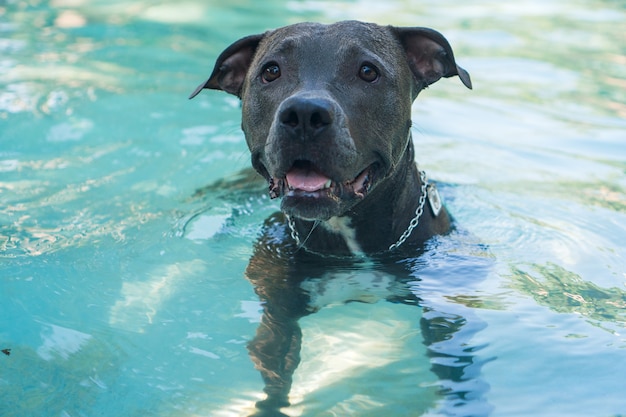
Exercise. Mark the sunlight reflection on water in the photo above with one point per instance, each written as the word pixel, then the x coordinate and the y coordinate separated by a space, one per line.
pixel 122 287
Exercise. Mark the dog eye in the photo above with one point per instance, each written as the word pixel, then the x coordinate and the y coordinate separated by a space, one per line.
pixel 368 73
pixel 271 72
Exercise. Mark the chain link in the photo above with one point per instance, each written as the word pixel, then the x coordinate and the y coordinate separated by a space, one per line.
pixel 294 233
pixel 418 213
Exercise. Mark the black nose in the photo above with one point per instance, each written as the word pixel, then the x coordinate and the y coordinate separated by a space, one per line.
pixel 306 117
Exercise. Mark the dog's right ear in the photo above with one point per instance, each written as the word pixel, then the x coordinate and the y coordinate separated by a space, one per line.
pixel 429 55
pixel 231 67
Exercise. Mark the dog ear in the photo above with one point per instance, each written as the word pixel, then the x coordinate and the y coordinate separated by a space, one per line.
pixel 430 55
pixel 231 67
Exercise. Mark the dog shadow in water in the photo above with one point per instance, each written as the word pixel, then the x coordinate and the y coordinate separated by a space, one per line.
pixel 293 284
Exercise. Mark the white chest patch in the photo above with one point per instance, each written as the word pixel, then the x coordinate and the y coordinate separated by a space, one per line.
pixel 341 226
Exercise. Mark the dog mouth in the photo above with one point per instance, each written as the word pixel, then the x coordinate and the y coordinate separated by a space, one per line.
pixel 305 180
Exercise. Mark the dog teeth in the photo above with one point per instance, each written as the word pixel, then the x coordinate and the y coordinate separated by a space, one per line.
pixel 328 184
pixel 276 188
pixel 366 182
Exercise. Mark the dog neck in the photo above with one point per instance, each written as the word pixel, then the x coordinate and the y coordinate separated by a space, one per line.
pixel 379 221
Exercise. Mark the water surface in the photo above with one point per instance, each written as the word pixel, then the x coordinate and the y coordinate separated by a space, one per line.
pixel 122 289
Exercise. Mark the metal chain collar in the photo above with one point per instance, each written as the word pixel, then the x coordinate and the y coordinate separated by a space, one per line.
pixel 418 213
pixel 294 234
pixel 412 225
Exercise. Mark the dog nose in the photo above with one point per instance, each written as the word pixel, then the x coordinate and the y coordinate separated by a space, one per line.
pixel 306 117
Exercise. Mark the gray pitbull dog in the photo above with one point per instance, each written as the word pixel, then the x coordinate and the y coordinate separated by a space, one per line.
pixel 327 119
pixel 326 112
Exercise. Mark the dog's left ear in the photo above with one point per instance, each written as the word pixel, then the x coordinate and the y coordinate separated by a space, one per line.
pixel 231 67
pixel 430 55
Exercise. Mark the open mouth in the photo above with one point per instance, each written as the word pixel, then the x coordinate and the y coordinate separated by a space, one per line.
pixel 304 179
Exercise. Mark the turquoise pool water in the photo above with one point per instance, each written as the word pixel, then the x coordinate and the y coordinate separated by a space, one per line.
pixel 122 286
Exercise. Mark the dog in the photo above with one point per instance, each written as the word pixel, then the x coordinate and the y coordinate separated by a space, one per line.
pixel 326 113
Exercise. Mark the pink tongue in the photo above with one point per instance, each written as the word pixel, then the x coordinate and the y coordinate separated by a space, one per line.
pixel 306 179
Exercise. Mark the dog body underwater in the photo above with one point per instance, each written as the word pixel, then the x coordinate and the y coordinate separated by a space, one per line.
pixel 326 112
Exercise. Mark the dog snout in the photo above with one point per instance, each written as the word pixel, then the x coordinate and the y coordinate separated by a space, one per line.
pixel 306 117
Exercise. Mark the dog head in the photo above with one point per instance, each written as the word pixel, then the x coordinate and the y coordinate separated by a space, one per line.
pixel 326 109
